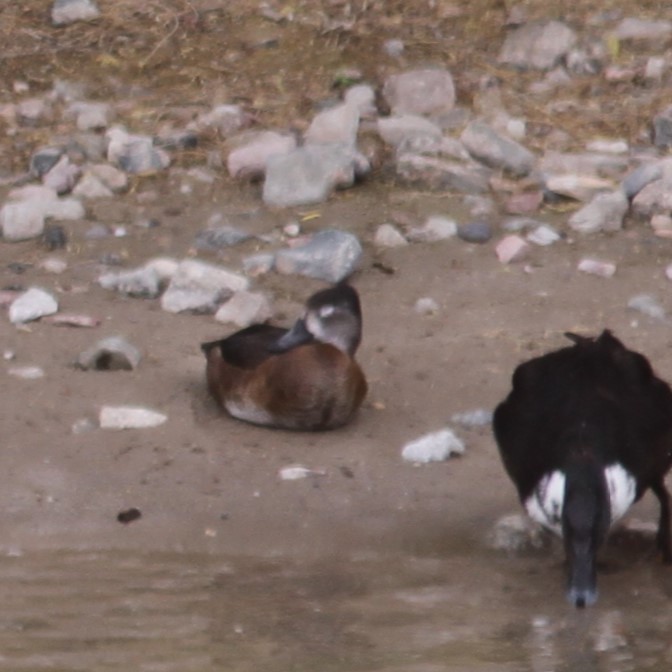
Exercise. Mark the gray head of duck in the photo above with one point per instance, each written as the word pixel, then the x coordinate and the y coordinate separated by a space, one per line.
pixel 332 316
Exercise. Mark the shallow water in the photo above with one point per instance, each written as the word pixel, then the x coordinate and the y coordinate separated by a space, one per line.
pixel 161 612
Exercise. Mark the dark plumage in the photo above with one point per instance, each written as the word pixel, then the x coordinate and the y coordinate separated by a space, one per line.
pixel 303 378
pixel 584 433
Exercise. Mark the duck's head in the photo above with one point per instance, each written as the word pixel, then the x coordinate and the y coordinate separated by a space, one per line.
pixel 586 518
pixel 332 316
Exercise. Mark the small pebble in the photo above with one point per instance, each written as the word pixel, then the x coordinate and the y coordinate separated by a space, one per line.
pixel 426 306
pixel 475 232
pixel 26 372
pixel 511 249
pixel 297 471
pixel 129 417
pixel 594 267
pixel 648 305
pixel 479 417
pixel 434 447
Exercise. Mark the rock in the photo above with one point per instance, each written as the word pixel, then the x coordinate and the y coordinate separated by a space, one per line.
pixel 33 112
pixel 434 229
pixel 73 320
pixel 511 249
pixel 296 472
pixel 91 116
pixel 653 199
pixel 142 282
pixel 604 213
pixel 594 267
pixel 543 235
pixel 26 372
pixel 69 11
pixel 539 46
pixel 258 264
pixel 426 306
pixel 134 153
pixel 587 163
pixel 516 533
pixel 632 28
pixel 423 92
pixel 662 128
pixel 43 160
pixel 525 202
pixel 31 305
pixel 397 129
pixel 219 237
pixel 200 287
pixel 363 98
pixel 388 235
pixel 655 69
pixel 224 119
pixel 479 417
pixel 244 309
pixel 648 305
pixel 475 232
pixel 636 180
pixel 53 265
pixel 113 178
pixel 54 237
pixel 309 174
pixel 91 187
pixel 394 48
pixel 110 354
pixel 62 177
pixel 22 221
pixel 608 146
pixel 249 159
pixel 336 125
pixel 578 187
pixel 495 150
pixel 129 417
pixel 164 267
pixel 329 255
pixel 441 174
pixel 662 226
pixel 434 447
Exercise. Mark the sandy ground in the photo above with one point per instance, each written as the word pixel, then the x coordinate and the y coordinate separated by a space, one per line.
pixel 205 482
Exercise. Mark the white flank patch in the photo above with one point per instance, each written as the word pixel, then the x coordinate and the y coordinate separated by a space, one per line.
pixel 544 505
pixel 248 412
pixel 622 489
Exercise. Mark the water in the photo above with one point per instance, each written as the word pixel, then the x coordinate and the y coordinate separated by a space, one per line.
pixel 164 612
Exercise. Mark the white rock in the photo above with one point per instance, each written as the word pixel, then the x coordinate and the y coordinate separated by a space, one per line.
pixel 580 187
pixel 32 305
pixel 434 229
pixel 479 417
pixel 91 187
pixel 608 146
pixel 338 124
pixel 648 305
pixel 249 159
pixel 164 267
pixel 53 265
pixel 543 235
pixel 297 472
pixel 389 236
pixel 26 372
pixel 244 309
pixel 426 306
pixel 516 532
pixel 129 417
pixel 434 447
pixel 68 11
pixel 363 97
pixel 141 282
pixel 605 212
pixel 595 267
pixel 21 221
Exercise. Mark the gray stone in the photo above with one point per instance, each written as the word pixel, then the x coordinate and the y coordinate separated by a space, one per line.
pixel 647 305
pixel 329 255
pixel 219 237
pixel 308 175
pixel 62 177
pixel 394 48
pixel 244 309
pixel 540 46
pixel 224 119
pixel 398 129
pixel 632 28
pixel 479 417
pixel 662 129
pixel 435 173
pixel 543 235
pixel 497 151
pixel 200 287
pixel 22 220
pixel 653 199
pixel 31 305
pixel 89 147
pixel 114 353
pixel 434 447
pixel 336 125
pixel 249 159
pixel 640 177
pixel 33 111
pixel 141 282
pixel 604 213
pixel 423 92
pixel 135 153
pixel 586 163
pixel 426 306
pixel 43 160
pixel 113 178
pixel 475 232
pixel 579 187
pixel 129 417
pixel 26 372
pixel 516 533
pixel 258 264
pixel 69 11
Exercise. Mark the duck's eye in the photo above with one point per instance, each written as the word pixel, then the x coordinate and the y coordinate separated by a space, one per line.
pixel 326 311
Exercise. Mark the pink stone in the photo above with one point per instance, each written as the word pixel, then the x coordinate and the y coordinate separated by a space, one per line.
pixel 511 249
